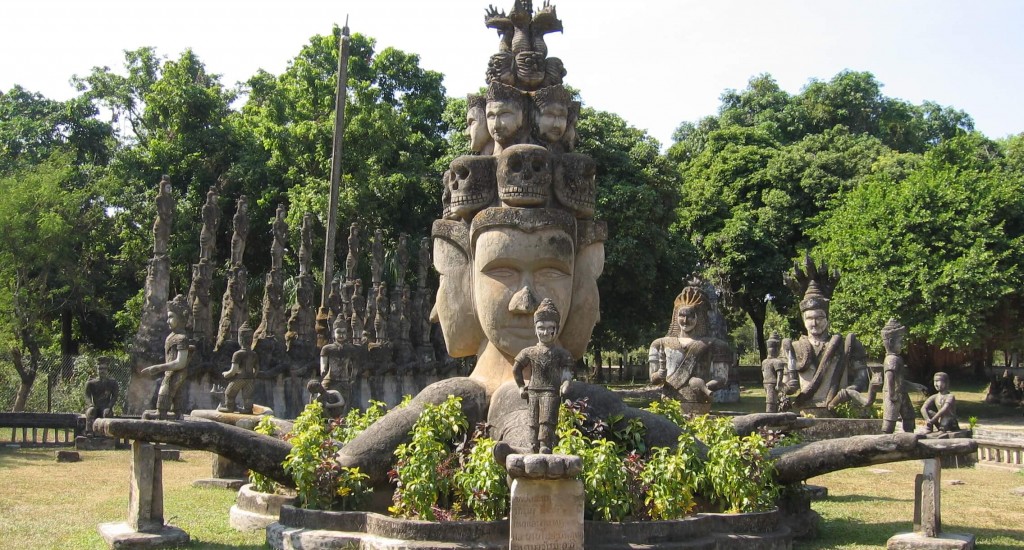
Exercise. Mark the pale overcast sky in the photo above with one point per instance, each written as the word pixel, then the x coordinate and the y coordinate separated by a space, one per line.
pixel 655 63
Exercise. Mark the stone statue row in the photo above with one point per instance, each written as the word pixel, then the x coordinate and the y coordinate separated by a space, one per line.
pixel 384 334
pixel 820 371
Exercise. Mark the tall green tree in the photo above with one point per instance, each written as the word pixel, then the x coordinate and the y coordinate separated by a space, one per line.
pixel 394 133
pixel 940 250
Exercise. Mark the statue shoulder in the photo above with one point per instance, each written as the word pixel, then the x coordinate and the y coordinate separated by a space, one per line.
pixel 854 348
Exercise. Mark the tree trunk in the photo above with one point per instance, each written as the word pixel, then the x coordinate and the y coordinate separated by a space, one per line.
pixel 68 345
pixel 756 311
pixel 27 374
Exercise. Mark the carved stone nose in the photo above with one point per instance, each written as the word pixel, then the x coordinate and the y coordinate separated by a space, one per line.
pixel 523 301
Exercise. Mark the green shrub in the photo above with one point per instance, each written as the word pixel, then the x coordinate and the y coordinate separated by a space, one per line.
pixel 260 482
pixel 322 483
pixel 424 468
pixel 739 474
pixel 481 485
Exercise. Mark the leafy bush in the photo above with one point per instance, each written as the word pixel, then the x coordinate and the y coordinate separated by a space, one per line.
pixel 322 483
pixel 480 484
pixel 260 482
pixel 423 471
pixel 739 474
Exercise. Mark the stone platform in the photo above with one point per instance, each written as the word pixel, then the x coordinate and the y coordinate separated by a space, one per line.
pixel 320 530
pixel 917 541
pixel 121 535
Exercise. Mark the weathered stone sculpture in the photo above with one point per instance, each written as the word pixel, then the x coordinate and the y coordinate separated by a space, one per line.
pixel 233 310
pixel 506 116
pixel 242 374
pixel 352 257
pixel 332 401
pixel 555 113
pixel 550 372
pixel 280 231
pixel 240 224
pixel 939 410
pixel 522 59
pixel 306 243
pixel 480 140
pixel 100 394
pixel 178 350
pixel 336 366
pixel 164 216
pixel 211 219
pixel 896 403
pixel 688 363
pixel 199 296
pixel 772 371
pixel 824 369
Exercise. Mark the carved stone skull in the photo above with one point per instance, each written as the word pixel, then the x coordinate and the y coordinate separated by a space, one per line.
pixel 575 185
pixel 470 186
pixel 524 176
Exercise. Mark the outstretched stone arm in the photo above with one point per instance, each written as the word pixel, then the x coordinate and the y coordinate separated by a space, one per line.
pixel 257 452
pixel 801 462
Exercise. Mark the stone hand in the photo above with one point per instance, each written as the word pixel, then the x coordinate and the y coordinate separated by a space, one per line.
pixel 524 393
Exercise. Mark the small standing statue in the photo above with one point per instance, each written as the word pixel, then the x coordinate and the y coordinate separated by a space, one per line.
pixel 100 394
pixel 280 231
pixel 211 218
pixel 377 258
pixel 240 224
pixel 306 243
pixel 242 374
pixel 164 216
pixel 352 258
pixel 380 321
pixel 178 350
pixel 939 410
pixel 551 371
pixel 772 370
pixel 401 260
pixel 895 401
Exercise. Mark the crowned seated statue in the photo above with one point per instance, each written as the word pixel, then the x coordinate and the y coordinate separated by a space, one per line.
pixel 824 370
pixel 688 363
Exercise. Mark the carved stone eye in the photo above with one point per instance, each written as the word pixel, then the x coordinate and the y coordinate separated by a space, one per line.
pixel 524 176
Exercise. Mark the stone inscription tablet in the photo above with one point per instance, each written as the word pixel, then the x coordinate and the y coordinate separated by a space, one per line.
pixel 546 515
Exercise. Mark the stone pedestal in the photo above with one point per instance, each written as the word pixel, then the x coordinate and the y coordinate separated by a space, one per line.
pixel 547 502
pixel 253 510
pixel 93 443
pixel 928 516
pixel 145 526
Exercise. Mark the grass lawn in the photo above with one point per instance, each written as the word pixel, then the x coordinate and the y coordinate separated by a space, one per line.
pixel 50 505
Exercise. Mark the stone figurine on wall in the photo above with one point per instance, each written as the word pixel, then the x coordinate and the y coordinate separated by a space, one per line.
pixel 688 363
pixel 178 350
pixel 241 376
pixel 550 367
pixel 280 232
pixel 824 369
pixel 773 369
pixel 240 226
pixel 100 394
pixel 336 361
pixel 939 410
pixel 164 216
pixel 211 219
pixel 352 257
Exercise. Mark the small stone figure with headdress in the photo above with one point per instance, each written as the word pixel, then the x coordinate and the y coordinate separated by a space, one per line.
pixel 772 370
pixel 332 401
pixel 824 369
pixel 178 350
pixel 242 374
pixel 550 372
pixel 896 403
pixel 688 363
pixel 335 362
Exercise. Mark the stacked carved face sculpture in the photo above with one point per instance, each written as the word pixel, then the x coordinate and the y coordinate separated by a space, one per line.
pixel 518 214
